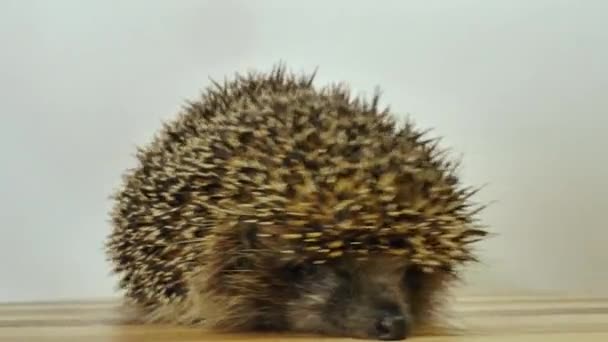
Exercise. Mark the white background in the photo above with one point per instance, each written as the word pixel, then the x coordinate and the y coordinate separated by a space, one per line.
pixel 519 87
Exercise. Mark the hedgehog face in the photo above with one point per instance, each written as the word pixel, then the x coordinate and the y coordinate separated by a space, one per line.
pixel 379 298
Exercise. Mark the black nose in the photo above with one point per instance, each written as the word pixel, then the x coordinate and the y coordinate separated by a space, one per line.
pixel 391 325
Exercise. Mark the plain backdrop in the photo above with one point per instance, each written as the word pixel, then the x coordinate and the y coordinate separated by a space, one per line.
pixel 519 88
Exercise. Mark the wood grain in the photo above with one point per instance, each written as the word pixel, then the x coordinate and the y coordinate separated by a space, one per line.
pixel 475 319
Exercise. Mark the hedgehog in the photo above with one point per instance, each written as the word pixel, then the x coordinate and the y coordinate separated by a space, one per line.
pixel 270 204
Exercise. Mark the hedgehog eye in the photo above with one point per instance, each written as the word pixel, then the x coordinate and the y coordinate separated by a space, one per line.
pixel 413 279
pixel 301 271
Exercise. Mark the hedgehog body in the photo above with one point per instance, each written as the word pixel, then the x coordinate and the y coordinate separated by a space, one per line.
pixel 267 199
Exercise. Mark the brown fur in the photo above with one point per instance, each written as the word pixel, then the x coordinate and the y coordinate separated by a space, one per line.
pixel 266 174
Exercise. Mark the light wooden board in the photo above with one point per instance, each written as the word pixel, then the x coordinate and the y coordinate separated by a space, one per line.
pixel 476 319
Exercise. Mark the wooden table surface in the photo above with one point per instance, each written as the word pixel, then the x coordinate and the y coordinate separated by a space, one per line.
pixel 487 319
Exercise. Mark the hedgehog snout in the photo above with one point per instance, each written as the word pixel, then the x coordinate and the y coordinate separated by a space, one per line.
pixel 391 324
